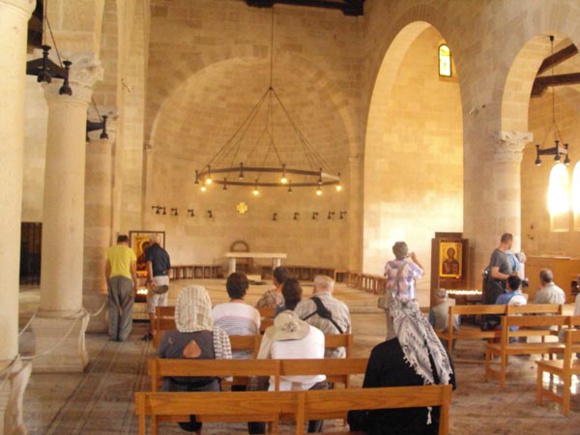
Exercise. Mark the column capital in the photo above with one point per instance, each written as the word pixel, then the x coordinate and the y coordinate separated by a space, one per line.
pixel 85 71
pixel 509 145
pixel 26 7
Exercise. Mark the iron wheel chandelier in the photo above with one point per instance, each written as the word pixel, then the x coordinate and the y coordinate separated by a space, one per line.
pixel 260 163
pixel 559 148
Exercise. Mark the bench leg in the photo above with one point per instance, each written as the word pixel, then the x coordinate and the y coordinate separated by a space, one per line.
pixel 566 378
pixel 539 386
pixel 502 369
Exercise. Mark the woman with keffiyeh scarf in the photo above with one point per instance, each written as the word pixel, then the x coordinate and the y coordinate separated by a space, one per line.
pixel 195 337
pixel 414 356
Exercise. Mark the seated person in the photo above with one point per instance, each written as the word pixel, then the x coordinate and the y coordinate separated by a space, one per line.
pixel 512 296
pixel 415 356
pixel 292 293
pixel 326 312
pixel 439 314
pixel 237 317
pixel 549 292
pixel 196 337
pixel 273 297
pixel 292 338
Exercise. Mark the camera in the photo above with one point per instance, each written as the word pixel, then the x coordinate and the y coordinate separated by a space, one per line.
pixel 525 283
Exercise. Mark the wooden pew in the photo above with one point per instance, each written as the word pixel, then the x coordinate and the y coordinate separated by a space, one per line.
pixel 470 332
pixel 164 321
pixel 228 406
pixel 473 332
pixel 161 367
pixel 332 341
pixel 337 370
pixel 564 369
pixel 269 406
pixel 331 404
pixel 529 326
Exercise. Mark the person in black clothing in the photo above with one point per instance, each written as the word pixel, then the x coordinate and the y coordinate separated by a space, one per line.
pixel 414 357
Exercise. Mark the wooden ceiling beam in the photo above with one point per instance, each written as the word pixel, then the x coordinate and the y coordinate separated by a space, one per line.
pixel 542 83
pixel 348 7
pixel 557 58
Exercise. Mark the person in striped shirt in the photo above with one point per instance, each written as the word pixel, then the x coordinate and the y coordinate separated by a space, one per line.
pixel 236 317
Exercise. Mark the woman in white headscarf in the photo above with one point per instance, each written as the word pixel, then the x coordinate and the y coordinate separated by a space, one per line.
pixel 195 337
pixel 414 356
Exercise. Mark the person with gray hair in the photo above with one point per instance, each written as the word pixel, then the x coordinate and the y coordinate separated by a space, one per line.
pixel 401 274
pixel 325 312
pixel 549 293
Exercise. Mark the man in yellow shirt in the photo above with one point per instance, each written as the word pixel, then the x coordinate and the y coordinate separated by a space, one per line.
pixel 121 276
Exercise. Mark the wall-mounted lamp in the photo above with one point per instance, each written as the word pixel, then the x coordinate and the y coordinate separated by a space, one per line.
pixel 314 215
pixel 275 217
pixel 158 209
pixel 209 214
pixel 174 212
pixel 296 215
pixel 330 214
pixel 190 212
pixel 45 70
pixel 342 215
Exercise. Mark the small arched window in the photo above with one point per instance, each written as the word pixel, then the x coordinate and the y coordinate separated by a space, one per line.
pixel 559 198
pixel 444 61
pixel 575 196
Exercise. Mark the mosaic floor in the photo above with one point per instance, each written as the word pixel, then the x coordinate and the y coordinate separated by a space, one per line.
pixel 100 400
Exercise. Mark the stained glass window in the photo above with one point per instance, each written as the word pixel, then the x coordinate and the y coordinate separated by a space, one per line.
pixel 444 61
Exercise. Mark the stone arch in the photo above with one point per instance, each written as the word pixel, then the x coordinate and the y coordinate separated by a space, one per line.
pixel 399 200
pixel 522 113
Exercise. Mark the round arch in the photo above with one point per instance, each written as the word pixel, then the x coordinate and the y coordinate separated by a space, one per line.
pixel 414 134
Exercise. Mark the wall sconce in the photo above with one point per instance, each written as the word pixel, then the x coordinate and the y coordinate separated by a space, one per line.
pixel 99 125
pixel 190 212
pixel 330 214
pixel 209 214
pixel 45 70
pixel 275 217
pixel 174 212
pixel 342 215
pixel 296 215
pixel 314 215
pixel 158 209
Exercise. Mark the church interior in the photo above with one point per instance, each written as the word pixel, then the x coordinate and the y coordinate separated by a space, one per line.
pixel 309 133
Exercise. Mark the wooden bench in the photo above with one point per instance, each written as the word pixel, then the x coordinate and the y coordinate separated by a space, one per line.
pixel 331 404
pixel 269 406
pixel 336 370
pixel 473 332
pixel 528 326
pixel 564 369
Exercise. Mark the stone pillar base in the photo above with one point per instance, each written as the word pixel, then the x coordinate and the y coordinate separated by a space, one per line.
pixel 60 343
pixel 93 303
pixel 12 396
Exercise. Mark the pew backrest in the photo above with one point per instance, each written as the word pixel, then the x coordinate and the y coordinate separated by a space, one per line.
pixel 337 370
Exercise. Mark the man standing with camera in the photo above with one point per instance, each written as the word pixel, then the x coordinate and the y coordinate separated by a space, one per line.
pixel 158 265
pixel 499 270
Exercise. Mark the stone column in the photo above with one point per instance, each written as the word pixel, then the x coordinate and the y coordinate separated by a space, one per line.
pixel 508 154
pixel 98 224
pixel 354 213
pixel 14 15
pixel 60 324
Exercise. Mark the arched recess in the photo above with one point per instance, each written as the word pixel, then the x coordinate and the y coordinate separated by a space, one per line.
pixel 413 182
pixel 201 115
pixel 522 112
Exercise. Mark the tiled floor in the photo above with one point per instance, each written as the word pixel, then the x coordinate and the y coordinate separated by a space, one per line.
pixel 100 401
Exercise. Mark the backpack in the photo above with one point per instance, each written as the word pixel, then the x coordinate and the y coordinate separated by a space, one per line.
pixel 323 312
